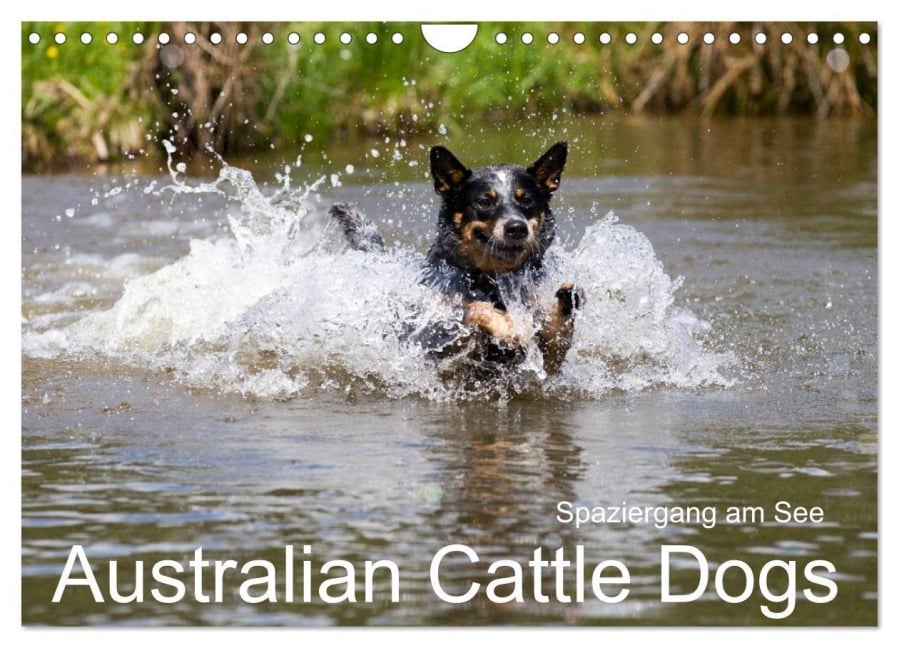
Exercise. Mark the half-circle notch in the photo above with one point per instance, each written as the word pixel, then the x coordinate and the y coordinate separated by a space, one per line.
pixel 449 38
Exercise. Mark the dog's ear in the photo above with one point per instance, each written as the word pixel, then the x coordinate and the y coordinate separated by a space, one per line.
pixel 547 171
pixel 448 172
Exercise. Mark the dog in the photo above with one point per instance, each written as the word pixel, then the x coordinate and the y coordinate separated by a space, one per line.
pixel 493 229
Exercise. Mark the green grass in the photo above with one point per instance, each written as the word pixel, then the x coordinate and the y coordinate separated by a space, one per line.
pixel 80 101
pixel 107 102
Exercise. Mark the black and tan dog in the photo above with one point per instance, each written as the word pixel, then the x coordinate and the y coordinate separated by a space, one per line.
pixel 493 229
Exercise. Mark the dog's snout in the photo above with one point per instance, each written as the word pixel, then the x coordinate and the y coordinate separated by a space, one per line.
pixel 516 229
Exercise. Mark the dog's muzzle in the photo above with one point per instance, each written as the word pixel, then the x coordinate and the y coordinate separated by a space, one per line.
pixel 516 230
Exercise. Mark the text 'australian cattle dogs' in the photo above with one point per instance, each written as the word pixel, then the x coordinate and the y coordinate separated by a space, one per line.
pixel 493 230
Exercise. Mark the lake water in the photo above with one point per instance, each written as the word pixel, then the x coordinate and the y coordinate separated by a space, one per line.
pixel 204 369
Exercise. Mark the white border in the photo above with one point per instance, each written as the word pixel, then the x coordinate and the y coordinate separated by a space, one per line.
pixel 422 11
pixel 451 11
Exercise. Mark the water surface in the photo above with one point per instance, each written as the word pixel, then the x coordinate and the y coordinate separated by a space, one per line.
pixel 202 369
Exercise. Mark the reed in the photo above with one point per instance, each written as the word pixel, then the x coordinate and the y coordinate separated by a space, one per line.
pixel 106 102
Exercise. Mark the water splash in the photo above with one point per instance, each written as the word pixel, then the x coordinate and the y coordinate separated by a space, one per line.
pixel 280 308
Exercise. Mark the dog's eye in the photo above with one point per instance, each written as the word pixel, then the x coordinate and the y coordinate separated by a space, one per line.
pixel 483 203
pixel 525 201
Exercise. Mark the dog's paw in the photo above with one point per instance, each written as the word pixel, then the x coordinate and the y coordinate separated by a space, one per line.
pixel 498 326
pixel 514 343
pixel 508 339
pixel 571 298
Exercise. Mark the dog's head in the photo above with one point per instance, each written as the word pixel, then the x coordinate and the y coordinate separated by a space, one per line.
pixel 497 217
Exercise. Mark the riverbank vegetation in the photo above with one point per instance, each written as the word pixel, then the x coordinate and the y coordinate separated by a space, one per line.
pixel 105 101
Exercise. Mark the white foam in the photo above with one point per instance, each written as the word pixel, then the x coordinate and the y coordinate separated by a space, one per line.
pixel 279 308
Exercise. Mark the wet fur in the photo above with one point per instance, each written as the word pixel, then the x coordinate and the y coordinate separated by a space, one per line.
pixel 493 229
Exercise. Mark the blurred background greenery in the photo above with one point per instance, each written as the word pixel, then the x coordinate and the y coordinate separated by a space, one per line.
pixel 102 101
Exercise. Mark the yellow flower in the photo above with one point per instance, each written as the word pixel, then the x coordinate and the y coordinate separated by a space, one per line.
pixel 52 52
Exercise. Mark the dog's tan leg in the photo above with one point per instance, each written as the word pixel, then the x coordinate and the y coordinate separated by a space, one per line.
pixel 494 322
pixel 554 337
